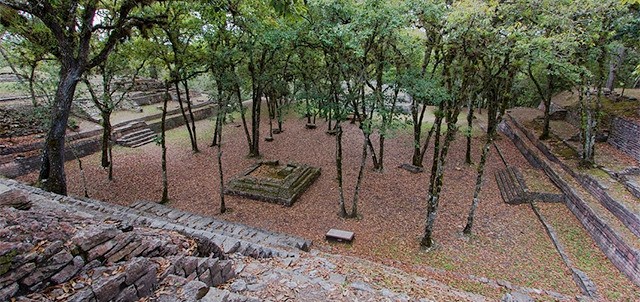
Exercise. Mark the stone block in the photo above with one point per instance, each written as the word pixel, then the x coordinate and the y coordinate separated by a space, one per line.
pixel 189 265
pixel 136 268
pixel 146 284
pixel 129 294
pixel 216 278
pixel 17 274
pixel 106 289
pixel 82 296
pixel 8 291
pixel 195 290
pixel 14 198
pixel 99 251
pixel 122 253
pixel 205 277
pixel 68 271
pixel 269 181
pixel 122 240
pixel 89 238
pixel 216 295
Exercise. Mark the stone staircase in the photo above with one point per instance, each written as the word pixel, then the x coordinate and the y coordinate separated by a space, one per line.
pixel 514 190
pixel 230 237
pixel 610 221
pixel 512 186
pixel 246 236
pixel 134 134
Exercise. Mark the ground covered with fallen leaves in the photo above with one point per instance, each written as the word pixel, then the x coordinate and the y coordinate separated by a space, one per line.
pixel 509 243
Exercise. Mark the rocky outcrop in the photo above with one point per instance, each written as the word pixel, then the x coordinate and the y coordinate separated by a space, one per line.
pixel 49 252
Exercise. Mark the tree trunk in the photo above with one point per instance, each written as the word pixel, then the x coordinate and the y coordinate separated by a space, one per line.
pixel 243 116
pixel 110 177
pixel 52 173
pixel 194 141
pixel 356 192
pixel 616 62
pixel 194 146
pixel 342 212
pixel 588 128
pixel 467 157
pixel 418 151
pixel 223 207
pixel 255 124
pixel 271 109
pixel 478 187
pixel 165 181
pixel 216 128
pixel 32 90
pixel 106 137
pixel 437 171
pixel 545 96
pixel 308 109
pixel 419 160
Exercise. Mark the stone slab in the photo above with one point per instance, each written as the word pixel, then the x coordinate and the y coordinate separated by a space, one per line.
pixel 339 235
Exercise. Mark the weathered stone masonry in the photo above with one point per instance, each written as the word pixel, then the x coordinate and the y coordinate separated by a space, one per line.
pixel 625 135
pixel 55 251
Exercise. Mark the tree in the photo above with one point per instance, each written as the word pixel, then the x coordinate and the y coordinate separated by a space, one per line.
pixel 66 29
pixel 468 23
pixel 595 24
pixel 551 47
pixel 110 72
pixel 20 53
pixel 499 63
pixel 423 85
pixel 180 45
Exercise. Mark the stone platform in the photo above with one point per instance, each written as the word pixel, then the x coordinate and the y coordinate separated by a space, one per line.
pixel 273 182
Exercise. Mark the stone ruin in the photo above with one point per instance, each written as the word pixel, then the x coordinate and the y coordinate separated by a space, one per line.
pixel 51 254
pixel 273 182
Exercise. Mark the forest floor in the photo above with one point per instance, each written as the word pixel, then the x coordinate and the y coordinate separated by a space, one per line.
pixel 508 245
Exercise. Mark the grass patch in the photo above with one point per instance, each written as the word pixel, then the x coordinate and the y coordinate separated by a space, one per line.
pixel 619 108
pixel 477 288
pixel 11 88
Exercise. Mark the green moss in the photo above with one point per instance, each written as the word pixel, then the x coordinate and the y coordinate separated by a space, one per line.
pixel 564 151
pixel 5 261
pixel 619 108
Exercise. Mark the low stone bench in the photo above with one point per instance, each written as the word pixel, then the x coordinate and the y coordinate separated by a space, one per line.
pixel 339 235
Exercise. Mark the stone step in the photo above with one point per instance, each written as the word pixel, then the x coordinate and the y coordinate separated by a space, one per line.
pixel 512 186
pixel 227 243
pixel 141 136
pixel 136 134
pixel 225 228
pixel 598 183
pixel 128 215
pixel 128 127
pixel 144 142
pixel 139 140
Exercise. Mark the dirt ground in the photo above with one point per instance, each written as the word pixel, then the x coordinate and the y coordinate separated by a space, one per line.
pixel 509 243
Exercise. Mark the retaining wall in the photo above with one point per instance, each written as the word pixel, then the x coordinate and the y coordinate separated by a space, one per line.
pixel 625 135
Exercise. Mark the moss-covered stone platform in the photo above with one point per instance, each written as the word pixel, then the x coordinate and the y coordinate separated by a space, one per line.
pixel 273 182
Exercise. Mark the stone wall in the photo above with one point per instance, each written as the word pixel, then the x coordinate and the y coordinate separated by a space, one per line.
pixel 49 253
pixel 23 165
pixel 177 120
pixel 624 257
pixel 625 135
